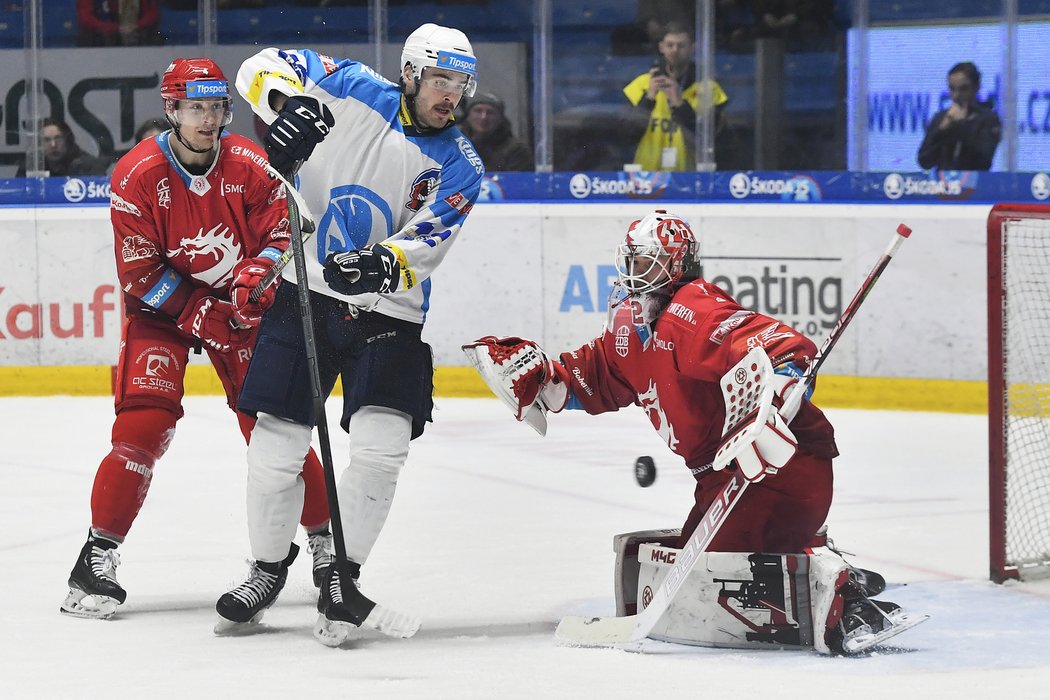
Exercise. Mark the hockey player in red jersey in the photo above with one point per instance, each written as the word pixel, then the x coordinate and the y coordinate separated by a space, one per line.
pixel 670 338
pixel 193 212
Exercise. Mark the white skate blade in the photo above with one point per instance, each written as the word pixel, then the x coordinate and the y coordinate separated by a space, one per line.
pixel 81 604
pixel 330 632
pixel 392 623
pixel 901 622
pixel 229 628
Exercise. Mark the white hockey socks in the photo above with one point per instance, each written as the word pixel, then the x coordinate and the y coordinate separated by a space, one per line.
pixel 275 488
pixel 378 449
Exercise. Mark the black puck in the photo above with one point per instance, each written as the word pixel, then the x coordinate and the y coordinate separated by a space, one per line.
pixel 645 471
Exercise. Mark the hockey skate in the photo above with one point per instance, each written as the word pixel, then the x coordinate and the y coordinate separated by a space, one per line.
pixel 244 606
pixel 320 546
pixel 867 623
pixel 93 588
pixel 342 607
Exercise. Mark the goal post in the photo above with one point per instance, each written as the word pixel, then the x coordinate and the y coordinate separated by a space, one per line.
pixel 1019 390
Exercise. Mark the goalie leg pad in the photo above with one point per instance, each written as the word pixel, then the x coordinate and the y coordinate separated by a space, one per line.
pixel 735 600
pixel 625 581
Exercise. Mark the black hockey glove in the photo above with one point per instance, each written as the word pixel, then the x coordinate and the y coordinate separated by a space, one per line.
pixel 372 269
pixel 302 124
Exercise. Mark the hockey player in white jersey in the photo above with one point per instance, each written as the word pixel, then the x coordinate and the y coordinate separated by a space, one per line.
pixel 391 180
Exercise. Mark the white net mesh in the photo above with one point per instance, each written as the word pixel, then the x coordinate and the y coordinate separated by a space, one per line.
pixel 1026 348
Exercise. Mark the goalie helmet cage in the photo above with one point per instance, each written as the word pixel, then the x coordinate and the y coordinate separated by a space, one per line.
pixel 1019 391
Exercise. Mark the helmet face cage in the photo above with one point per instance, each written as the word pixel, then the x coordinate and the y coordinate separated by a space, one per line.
pixel 659 253
pixel 194 79
pixel 432 46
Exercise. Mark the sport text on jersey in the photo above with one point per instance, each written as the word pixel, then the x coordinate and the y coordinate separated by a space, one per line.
pixel 458 62
pixel 206 88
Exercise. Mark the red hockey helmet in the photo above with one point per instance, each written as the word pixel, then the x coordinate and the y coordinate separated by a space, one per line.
pixel 660 252
pixel 194 79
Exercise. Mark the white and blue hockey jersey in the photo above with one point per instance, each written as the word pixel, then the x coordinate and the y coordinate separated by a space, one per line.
pixel 375 178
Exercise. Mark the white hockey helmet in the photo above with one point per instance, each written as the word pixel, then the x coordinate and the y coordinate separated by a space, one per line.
pixel 433 45
pixel 660 253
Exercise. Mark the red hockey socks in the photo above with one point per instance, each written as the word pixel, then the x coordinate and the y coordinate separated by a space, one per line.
pixel 140 438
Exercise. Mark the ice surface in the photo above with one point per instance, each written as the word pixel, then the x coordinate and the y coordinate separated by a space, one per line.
pixel 494 535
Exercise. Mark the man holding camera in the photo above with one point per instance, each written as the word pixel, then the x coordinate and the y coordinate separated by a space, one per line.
pixel 670 95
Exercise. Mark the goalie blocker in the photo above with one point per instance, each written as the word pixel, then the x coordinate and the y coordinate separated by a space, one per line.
pixel 754 600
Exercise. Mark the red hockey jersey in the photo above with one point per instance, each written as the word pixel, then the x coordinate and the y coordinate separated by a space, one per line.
pixel 176 233
pixel 672 369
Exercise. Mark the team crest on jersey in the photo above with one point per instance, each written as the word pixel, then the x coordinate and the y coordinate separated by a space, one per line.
pixel 425 183
pixel 164 193
pixel 328 62
pixel 199 185
pixel 649 400
pixel 219 247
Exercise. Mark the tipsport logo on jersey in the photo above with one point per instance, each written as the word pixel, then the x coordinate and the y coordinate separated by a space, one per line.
pixel 789 188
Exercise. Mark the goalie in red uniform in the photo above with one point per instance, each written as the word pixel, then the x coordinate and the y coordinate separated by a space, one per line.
pixel 669 339
pixel 193 212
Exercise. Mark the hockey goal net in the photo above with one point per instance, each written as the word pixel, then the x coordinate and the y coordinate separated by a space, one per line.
pixel 1019 390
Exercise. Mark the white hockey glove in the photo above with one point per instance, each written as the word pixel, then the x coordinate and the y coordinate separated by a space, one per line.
pixel 755 435
pixel 522 376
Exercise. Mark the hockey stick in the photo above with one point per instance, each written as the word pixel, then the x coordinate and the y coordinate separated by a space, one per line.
pixel 364 611
pixel 608 631
pixel 305 225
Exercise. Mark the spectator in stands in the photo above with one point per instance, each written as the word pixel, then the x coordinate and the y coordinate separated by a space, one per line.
pixel 965 135
pixel 62 155
pixel 150 128
pixel 118 23
pixel 806 25
pixel 668 95
pixel 487 127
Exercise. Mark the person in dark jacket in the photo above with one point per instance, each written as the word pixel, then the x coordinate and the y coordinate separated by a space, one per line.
pixel 489 130
pixel 965 135
pixel 62 155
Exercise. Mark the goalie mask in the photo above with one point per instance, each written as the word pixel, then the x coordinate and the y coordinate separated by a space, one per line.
pixel 200 80
pixel 660 253
pixel 434 46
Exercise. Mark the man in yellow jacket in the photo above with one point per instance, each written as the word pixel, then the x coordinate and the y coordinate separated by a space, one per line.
pixel 670 95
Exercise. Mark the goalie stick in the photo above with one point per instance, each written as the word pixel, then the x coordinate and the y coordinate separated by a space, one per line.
pixel 366 612
pixel 609 631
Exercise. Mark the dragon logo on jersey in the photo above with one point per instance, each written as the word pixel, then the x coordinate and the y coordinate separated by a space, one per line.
pixel 425 183
pixel 767 336
pixel 353 213
pixel 649 400
pixel 219 248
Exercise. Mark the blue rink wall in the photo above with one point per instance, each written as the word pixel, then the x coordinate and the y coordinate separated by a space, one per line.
pixel 535 260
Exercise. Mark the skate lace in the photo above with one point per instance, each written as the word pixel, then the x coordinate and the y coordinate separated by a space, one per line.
pixel 104 563
pixel 258 585
pixel 320 547
pixel 335 591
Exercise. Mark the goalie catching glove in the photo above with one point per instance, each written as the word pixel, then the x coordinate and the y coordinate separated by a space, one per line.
pixel 247 275
pixel 371 269
pixel 519 372
pixel 209 320
pixel 755 435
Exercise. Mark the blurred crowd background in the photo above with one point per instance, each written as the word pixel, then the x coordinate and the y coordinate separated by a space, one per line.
pixel 565 86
